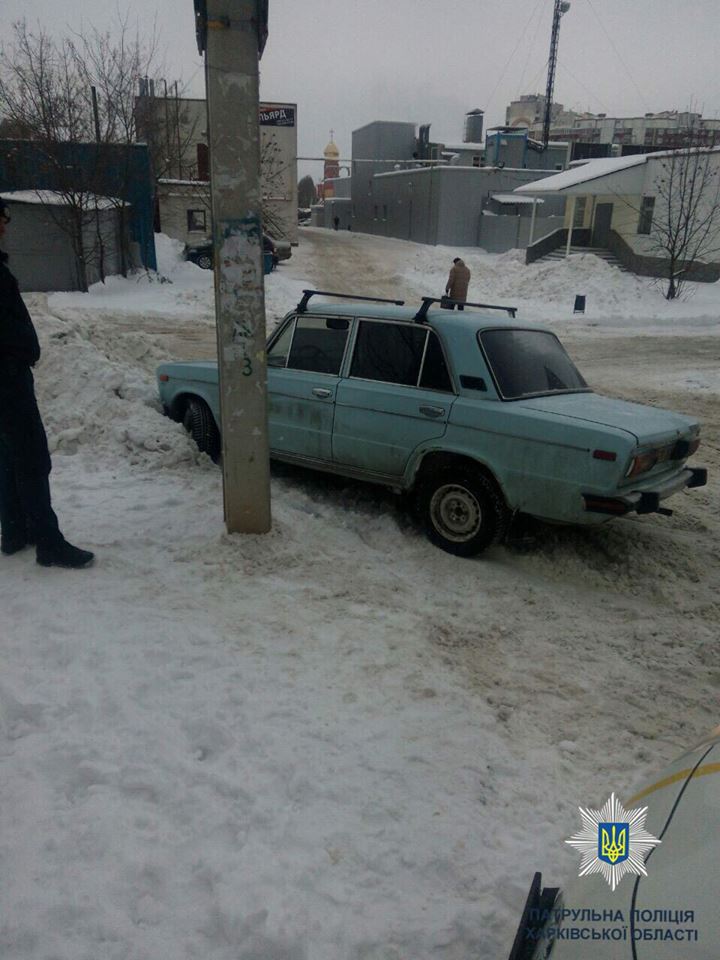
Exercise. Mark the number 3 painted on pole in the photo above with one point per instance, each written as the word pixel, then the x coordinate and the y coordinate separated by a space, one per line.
pixel 247 369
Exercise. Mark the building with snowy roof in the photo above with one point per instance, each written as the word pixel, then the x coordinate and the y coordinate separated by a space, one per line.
pixel 627 205
pixel 76 170
pixel 406 187
pixel 42 255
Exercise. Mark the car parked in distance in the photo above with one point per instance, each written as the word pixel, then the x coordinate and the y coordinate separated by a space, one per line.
pixel 478 415
pixel 202 253
pixel 282 248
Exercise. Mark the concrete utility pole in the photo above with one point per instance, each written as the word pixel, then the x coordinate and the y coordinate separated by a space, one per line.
pixel 233 35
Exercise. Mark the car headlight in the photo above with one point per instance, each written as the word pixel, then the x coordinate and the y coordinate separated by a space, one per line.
pixel 642 463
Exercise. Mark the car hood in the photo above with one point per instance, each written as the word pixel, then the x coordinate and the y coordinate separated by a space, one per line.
pixel 646 424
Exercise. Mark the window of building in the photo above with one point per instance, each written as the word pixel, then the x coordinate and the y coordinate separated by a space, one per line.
pixel 384 211
pixel 375 212
pixel 197 221
pixel 476 161
pixel 388 352
pixel 647 208
pixel 579 218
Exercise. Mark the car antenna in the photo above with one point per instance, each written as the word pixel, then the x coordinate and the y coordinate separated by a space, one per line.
pixel 307 294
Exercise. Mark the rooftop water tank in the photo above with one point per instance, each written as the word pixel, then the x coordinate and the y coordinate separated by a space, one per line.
pixel 474 126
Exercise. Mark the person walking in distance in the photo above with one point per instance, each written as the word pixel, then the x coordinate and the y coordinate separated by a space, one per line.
pixel 26 513
pixel 458 282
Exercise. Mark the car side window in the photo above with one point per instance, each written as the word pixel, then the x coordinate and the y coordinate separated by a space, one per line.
pixel 435 374
pixel 278 352
pixel 318 344
pixel 389 352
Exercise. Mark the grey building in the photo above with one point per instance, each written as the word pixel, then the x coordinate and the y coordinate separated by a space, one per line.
pixel 337 205
pixel 376 149
pixel 39 244
pixel 454 206
pixel 406 187
pixel 504 147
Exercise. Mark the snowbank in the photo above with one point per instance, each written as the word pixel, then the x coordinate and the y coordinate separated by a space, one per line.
pixel 334 741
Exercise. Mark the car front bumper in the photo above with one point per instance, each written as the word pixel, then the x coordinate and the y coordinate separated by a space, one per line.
pixel 646 501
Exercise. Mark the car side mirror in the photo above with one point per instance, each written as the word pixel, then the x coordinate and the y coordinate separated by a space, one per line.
pixel 472 383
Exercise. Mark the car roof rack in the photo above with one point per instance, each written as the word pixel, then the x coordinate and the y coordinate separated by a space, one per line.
pixel 302 306
pixel 427 302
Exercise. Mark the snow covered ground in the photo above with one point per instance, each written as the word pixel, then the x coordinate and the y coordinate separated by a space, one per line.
pixel 334 741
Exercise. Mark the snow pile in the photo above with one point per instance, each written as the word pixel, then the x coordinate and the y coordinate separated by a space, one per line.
pixel 98 398
pixel 334 741
pixel 544 291
pixel 178 288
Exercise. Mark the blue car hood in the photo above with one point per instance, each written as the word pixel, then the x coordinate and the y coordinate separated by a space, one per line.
pixel 646 424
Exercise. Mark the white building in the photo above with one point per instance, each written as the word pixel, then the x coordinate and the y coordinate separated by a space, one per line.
pixel 669 128
pixel 623 203
pixel 176 131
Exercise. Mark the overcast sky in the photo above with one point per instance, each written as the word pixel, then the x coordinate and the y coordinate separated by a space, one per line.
pixel 348 62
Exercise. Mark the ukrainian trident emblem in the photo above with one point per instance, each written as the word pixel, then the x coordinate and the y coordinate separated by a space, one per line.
pixel 613 841
pixel 613 844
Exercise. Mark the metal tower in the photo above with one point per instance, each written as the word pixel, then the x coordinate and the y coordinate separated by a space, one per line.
pixel 561 7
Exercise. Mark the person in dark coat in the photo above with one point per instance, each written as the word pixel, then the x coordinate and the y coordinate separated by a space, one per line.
pixel 26 513
pixel 458 282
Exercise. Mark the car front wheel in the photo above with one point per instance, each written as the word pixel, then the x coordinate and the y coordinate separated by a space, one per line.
pixel 204 261
pixel 463 511
pixel 200 424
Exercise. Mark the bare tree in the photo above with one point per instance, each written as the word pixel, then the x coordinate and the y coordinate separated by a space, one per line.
pixel 274 184
pixel 165 123
pixel 42 93
pixel 75 99
pixel 685 227
pixel 110 64
pixel 306 192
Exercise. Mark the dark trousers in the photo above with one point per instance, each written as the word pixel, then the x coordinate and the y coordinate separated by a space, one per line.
pixel 25 508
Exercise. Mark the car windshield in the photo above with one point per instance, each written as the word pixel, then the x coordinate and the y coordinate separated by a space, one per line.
pixel 529 363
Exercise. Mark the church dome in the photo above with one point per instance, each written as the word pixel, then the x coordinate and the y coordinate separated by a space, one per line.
pixel 331 151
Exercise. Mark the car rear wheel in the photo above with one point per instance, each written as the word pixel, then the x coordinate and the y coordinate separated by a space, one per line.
pixel 200 424
pixel 204 261
pixel 462 510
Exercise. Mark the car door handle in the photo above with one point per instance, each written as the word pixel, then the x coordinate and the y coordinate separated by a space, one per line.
pixel 432 411
pixel 322 392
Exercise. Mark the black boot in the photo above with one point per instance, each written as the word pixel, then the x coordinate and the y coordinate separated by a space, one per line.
pixel 64 554
pixel 10 545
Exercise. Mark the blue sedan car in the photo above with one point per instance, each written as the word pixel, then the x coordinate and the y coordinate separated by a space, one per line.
pixel 478 415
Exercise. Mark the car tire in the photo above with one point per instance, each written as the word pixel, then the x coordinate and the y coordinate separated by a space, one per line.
pixel 462 510
pixel 204 261
pixel 200 424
